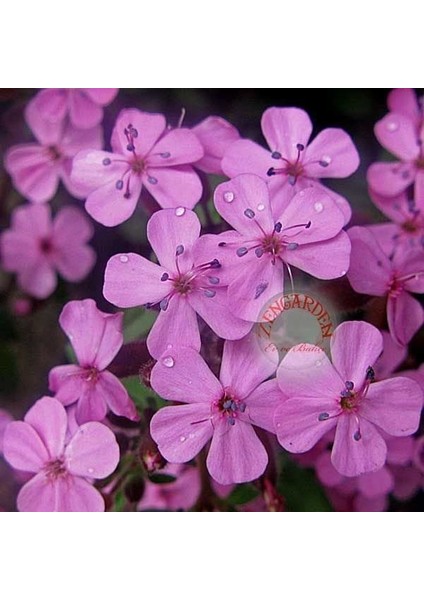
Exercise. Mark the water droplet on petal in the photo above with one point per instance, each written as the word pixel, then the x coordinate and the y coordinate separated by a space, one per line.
pixel 260 207
pixel 124 258
pixel 180 211
pixel 228 196
pixel 392 126
pixel 169 346
pixel 319 207
pixel 90 470
pixel 342 273
pixel 318 363
pixel 326 159
pixel 183 438
pixel 168 361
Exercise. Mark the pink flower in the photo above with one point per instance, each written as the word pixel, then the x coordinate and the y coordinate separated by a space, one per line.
pixel 391 358
pixel 62 471
pixel 291 164
pixel 144 153
pixel 96 338
pixel 186 281
pixel 216 135
pixel 344 396
pixel 224 411
pixel 406 231
pixel 180 494
pixel 37 168
pixel 400 132
pixel 372 272
pixel 36 247
pixel 83 105
pixel 306 234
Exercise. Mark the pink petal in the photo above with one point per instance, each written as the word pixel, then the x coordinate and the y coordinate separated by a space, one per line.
pixel 326 472
pixel 216 135
pixel 297 425
pixel 48 418
pixel 392 357
pixel 184 376
pixel 340 201
pixel 67 383
pixel 102 345
pixel 74 140
pixel 92 452
pixel 306 371
pixel 84 113
pixel 39 279
pixel 256 282
pixel 404 102
pixel 108 206
pixel 34 221
pixel 387 235
pixel 284 128
pixel 411 264
pixel 236 454
pixel 39 494
pixel 397 134
pixel 175 327
pixel 18 250
pixel 390 179
pixel 181 144
pixel 405 316
pixel 51 104
pixel 395 208
pixel 367 257
pixel 394 405
pixel 181 230
pixel 23 447
pixel 77 495
pixel 408 481
pixel 174 186
pixel 333 144
pixel 262 403
pixel 328 259
pixel 33 174
pixel 132 280
pixel 355 346
pixel 46 129
pixel 245 365
pixel 88 168
pixel 400 450
pixel 245 193
pixel 116 396
pixel 91 405
pixel 352 457
pixel 215 311
pixel 149 126
pixel 376 504
pixel 71 230
pixel 379 483
pixel 71 225
pixel 244 156
pixel 102 96
pixel 181 431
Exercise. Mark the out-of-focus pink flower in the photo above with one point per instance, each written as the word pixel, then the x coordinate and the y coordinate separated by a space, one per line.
pixel 343 395
pixel 144 154
pixel 291 164
pixel 391 358
pixel 37 168
pixel 372 272
pixel 186 281
pixel 180 494
pixel 63 472
pixel 224 411
pixel 96 338
pixel 36 247
pixel 84 106
pixel 307 234
pixel 401 133
pixel 216 135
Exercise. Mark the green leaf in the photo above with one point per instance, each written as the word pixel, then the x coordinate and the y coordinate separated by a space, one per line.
pixel 119 502
pixel 301 490
pixel 242 494
pixel 161 478
pixel 137 323
pixel 143 397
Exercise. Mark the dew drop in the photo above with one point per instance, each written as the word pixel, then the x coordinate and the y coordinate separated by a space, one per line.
pixel 90 470
pixel 319 207
pixel 183 438
pixel 342 273
pixel 260 207
pixel 326 159
pixel 168 361
pixel 392 126
pixel 228 197
pixel 123 258
pixel 180 211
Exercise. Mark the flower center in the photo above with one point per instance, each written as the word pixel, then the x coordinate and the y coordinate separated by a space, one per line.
pixel 137 166
pixel 291 169
pixel 419 163
pixel 46 246
pixel 55 469
pixel 91 374
pixel 53 153
pixel 230 407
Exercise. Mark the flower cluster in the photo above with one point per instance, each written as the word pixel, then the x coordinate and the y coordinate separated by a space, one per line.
pixel 196 388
